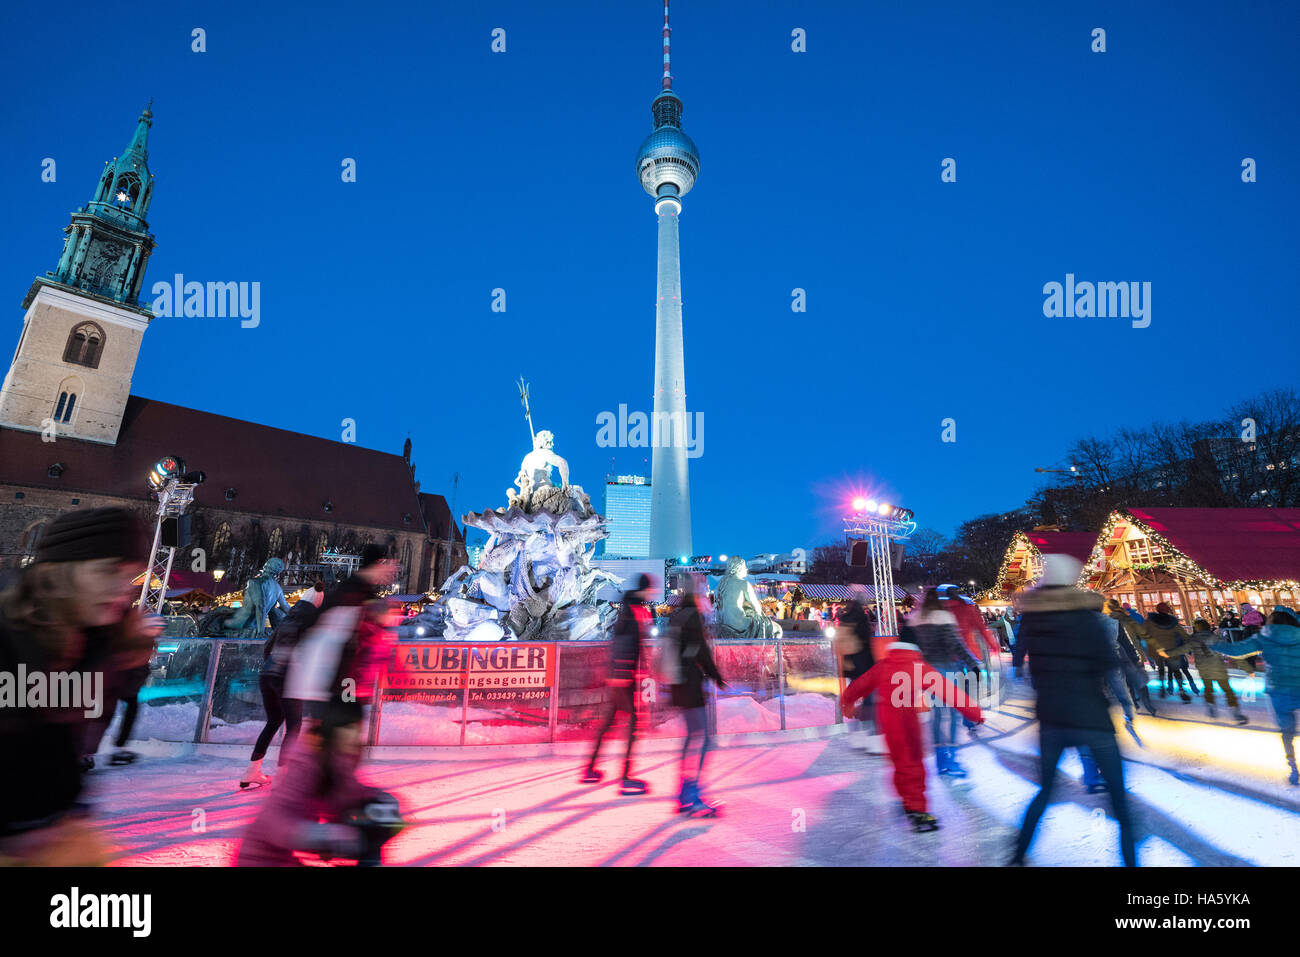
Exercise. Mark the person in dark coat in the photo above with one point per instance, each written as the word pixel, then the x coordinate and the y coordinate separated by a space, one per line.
pixel 1131 656
pixel 1070 653
pixel 1163 631
pixel 68 611
pixel 694 663
pixel 625 651
pixel 853 634
pixel 275 664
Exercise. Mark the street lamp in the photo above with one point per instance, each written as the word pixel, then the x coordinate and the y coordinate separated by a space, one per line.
pixel 218 574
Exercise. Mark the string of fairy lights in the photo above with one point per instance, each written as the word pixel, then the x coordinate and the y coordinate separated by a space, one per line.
pixel 1175 562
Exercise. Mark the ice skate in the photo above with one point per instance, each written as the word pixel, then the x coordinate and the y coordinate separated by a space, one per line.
pixel 1132 732
pixel 1096 787
pixel 1238 717
pixel 592 776
pixel 687 796
pixel 122 756
pixel 253 777
pixel 633 786
pixel 1187 699
pixel 87 763
pixel 1294 779
pixel 702 808
pixel 1211 710
pixel 955 769
pixel 922 822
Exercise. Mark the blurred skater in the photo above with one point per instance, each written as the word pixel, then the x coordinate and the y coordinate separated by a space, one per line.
pixel 625 651
pixel 1279 643
pixel 933 629
pixel 853 634
pixel 1070 652
pixel 68 611
pixel 275 665
pixel 319 806
pixel 902 681
pixel 336 656
pixel 1132 658
pixel 1210 666
pixel 689 645
pixel 1163 631
pixel 124 675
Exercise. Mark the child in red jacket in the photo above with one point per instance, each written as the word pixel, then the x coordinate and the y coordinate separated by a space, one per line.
pixel 902 682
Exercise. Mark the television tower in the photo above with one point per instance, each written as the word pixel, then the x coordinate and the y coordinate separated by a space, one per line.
pixel 667 165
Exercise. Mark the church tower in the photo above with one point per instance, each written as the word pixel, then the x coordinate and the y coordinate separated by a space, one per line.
pixel 83 324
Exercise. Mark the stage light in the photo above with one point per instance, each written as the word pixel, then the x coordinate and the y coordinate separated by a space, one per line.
pixel 884 508
pixel 859 504
pixel 685 559
pixel 871 505
pixel 722 558
pixel 420 630
pixel 654 632
pixel 166 468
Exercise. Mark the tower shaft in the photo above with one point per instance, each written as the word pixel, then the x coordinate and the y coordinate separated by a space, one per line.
pixel 670 492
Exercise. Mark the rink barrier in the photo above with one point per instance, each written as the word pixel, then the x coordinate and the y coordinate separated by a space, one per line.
pixel 205 691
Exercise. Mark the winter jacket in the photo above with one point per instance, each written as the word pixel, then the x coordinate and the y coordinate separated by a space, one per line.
pixel 695 659
pixel 1066 636
pixel 279 647
pixel 1209 665
pixel 1162 632
pixel 1280 646
pixel 625 648
pixel 935 633
pixel 972 626
pixel 345 642
pixel 1128 644
pixel 297 817
pixel 902 680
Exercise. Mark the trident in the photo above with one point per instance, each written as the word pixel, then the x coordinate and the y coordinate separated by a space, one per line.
pixel 523 398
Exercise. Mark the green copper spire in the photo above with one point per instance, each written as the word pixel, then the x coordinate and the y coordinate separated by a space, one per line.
pixel 108 242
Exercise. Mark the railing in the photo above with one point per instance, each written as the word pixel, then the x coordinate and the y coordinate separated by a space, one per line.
pixel 206 691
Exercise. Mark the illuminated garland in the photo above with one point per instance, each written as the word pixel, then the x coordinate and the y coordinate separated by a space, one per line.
pixel 1180 565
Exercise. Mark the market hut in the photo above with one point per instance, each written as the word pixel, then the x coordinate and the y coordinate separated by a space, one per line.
pixel 1199 560
pixel 1023 562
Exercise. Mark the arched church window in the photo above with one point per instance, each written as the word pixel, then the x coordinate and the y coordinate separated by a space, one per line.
pixel 221 541
pixel 72 404
pixel 277 543
pixel 58 409
pixel 85 345
pixel 127 190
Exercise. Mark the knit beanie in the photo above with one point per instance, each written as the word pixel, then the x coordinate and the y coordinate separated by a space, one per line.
pixel 1060 570
pixel 1164 609
pixel 90 533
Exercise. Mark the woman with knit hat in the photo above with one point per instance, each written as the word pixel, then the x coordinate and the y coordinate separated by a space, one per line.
pixel 68 611
pixel 1162 632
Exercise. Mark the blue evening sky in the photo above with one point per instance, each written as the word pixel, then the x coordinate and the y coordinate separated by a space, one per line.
pixel 820 170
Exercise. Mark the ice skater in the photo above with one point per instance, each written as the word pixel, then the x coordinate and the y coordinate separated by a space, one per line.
pixel 275 664
pixel 1210 666
pixel 319 806
pixel 1279 643
pixel 688 645
pixel 1070 652
pixel 853 635
pixel 1163 631
pixel 934 630
pixel 902 681
pixel 625 651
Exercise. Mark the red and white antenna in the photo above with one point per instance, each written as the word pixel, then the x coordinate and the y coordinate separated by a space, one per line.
pixel 668 76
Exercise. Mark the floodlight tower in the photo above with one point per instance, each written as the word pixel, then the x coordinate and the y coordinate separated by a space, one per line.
pixel 872 525
pixel 174 488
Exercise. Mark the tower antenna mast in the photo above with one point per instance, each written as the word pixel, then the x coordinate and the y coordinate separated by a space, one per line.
pixel 668 75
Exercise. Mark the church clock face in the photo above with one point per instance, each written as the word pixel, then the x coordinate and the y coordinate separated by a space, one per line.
pixel 105 263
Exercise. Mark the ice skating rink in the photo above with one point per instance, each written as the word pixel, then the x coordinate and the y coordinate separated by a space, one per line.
pixel 1204 792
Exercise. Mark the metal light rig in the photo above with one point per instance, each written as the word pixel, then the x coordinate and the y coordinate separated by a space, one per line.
pixel 875 525
pixel 175 490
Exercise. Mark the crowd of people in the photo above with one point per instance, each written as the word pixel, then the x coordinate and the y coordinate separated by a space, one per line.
pixel 70 612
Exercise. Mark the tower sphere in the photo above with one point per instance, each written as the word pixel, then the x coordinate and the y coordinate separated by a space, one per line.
pixel 668 157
